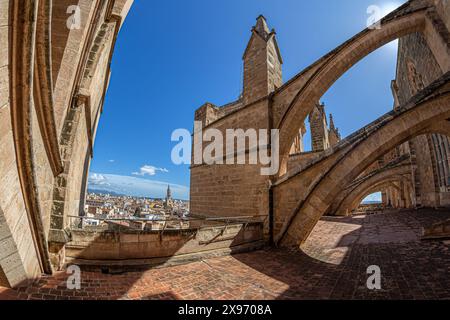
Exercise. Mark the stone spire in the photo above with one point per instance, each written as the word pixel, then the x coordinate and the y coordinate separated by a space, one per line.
pixel 332 123
pixel 168 203
pixel 333 134
pixel 169 193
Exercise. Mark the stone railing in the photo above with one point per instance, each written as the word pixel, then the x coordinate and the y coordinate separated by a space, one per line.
pixel 176 241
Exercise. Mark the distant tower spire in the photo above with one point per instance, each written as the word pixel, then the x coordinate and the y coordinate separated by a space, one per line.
pixel 261 26
pixel 168 204
pixel 169 193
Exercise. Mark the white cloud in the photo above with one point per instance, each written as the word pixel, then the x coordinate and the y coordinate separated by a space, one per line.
pixel 98 179
pixel 149 170
pixel 112 160
pixel 135 186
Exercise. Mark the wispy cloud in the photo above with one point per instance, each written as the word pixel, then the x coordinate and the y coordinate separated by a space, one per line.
pixel 112 160
pixel 135 186
pixel 149 170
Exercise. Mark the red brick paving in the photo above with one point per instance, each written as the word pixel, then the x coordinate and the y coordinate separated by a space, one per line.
pixel 332 265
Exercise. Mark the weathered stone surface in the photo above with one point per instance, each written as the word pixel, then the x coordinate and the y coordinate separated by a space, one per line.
pixel 109 246
pixel 29 211
pixel 36 212
pixel 332 266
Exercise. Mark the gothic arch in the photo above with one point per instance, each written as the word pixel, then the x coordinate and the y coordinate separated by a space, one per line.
pixel 408 121
pixel 354 199
pixel 72 56
pixel 80 122
pixel 22 71
pixel 403 21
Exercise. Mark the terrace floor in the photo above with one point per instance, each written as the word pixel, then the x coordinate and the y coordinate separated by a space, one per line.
pixel 332 265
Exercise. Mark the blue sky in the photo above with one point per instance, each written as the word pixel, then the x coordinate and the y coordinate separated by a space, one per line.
pixel 172 56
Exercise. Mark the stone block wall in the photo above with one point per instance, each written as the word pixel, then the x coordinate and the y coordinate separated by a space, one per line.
pixel 417 68
pixel 255 70
pixel 229 190
pixel 18 258
pixel 138 245
pixel 67 50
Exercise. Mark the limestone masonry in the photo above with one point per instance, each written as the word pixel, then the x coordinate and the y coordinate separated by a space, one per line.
pixel 53 79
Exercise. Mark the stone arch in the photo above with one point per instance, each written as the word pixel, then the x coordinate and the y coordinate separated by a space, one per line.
pixel 80 121
pixel 100 41
pixel 25 18
pixel 388 175
pixel 43 86
pixel 61 35
pixel 416 118
pixel 71 49
pixel 405 20
pixel 31 165
pixel 355 198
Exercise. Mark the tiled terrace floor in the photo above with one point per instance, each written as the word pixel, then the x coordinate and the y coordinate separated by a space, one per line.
pixel 333 265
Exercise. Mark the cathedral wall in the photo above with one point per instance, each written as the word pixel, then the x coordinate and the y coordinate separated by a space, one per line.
pixel 416 69
pixel 18 258
pixel 413 50
pixel 319 130
pixel 43 173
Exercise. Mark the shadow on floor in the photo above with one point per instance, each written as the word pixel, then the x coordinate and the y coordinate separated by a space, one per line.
pixel 409 270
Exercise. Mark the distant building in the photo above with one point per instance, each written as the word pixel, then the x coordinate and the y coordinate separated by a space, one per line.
pixel 168 203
